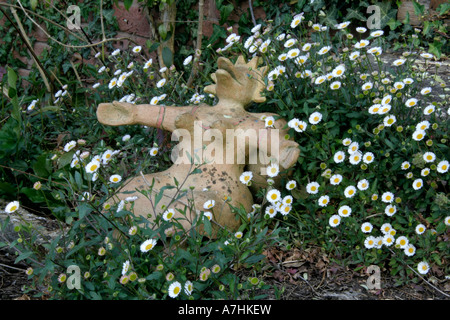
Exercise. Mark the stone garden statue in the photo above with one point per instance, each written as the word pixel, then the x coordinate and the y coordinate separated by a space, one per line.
pixel 216 140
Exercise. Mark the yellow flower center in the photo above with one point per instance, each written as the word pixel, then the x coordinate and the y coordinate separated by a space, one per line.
pixel 13 208
pixel 313 188
pixel 350 192
pixel 176 290
pixel 419 136
pixel 444 167
pixel 336 221
pixel 149 246
pixel 345 212
pixel 274 196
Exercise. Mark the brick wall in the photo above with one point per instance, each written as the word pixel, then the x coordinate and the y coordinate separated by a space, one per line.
pixel 133 24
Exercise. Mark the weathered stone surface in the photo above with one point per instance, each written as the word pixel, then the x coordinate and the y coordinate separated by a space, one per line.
pixel 45 229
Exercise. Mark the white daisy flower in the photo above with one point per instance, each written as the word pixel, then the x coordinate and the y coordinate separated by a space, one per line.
pixel 339 71
pixel 418 135
pixel 269 121
pixel 323 201
pixel 306 47
pixel 115 178
pixel 112 83
pixel 335 220
pixel 355 157
pixel 402 242
pixel 188 288
pixel 290 43
pixel 335 85
pixel 339 156
pixel 291 184
pixel 148 245
pixel 368 157
pixel 411 102
pixel 361 29
pixel 246 177
pixel 350 192
pixel 70 145
pixel 335 179
pixel 174 289
pixel 168 214
pixel 423 267
pixel 420 228
pixel 366 227
pixel 312 187
pixel 376 33
pixel 362 44
pixel 390 210
pixel 386 228
pixel 354 55
pixel 363 184
pixel 388 240
pixel 429 109
pixel 209 204
pixel 345 211
pixel 273 196
pixel 315 117
pixel 409 250
pixel 12 207
pixel 324 50
pixel 369 242
pixel 389 120
pixel 398 62
pixel 425 91
pixel 387 197
pixel 429 157
pixel 271 211
pixel 273 170
pixel 442 166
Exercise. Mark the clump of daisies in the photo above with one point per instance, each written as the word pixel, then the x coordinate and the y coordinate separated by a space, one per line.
pixel 373 138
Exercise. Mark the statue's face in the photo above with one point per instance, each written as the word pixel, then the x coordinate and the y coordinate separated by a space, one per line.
pixel 234 82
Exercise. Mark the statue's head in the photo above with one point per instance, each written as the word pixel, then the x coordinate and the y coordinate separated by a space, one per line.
pixel 242 82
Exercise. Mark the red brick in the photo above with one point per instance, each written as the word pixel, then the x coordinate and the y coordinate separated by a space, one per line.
pixel 133 20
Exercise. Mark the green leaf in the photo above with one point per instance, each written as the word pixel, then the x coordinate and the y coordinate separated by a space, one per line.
pixel 35 196
pixel 127 4
pixel 23 256
pixel 33 4
pixel 418 8
pixel 42 166
pixel 65 159
pixel 443 8
pixel 394 23
pixel 162 30
pixel 435 48
pixel 167 56
pixel 254 259
pixel 225 12
pixel 83 210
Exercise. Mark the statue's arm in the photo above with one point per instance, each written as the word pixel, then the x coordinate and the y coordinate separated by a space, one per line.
pixel 123 113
